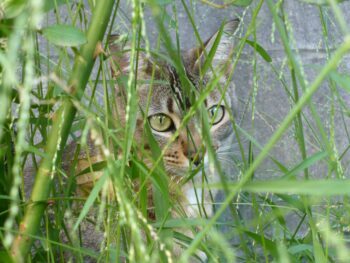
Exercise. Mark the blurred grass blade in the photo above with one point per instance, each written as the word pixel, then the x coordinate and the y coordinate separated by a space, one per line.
pixel 51 4
pixel 162 200
pixel 311 187
pixel 265 242
pixel 12 8
pixel 342 80
pixel 64 35
pixel 4 257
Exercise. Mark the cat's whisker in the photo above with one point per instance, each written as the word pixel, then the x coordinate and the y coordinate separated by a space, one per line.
pixel 234 143
pixel 226 161
pixel 227 147
pixel 231 157
pixel 228 151
pixel 222 157
pixel 231 153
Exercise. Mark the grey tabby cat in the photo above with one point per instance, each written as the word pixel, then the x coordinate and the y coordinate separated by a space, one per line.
pixel 167 107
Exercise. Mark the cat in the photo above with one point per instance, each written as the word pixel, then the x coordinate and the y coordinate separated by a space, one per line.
pixel 164 109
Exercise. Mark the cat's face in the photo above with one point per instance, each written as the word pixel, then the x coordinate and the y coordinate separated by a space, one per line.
pixel 165 104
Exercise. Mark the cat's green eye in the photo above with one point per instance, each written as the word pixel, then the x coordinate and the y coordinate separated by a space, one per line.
pixel 161 122
pixel 217 112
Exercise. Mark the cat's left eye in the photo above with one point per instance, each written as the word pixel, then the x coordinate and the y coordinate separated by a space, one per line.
pixel 216 113
pixel 161 122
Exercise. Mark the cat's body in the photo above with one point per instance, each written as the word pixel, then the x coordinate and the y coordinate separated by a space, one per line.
pixel 164 108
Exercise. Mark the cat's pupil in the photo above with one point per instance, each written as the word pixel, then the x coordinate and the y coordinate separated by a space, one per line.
pixel 161 120
pixel 212 112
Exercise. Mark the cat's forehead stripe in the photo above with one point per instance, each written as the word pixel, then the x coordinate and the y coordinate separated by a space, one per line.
pixel 170 105
pixel 175 84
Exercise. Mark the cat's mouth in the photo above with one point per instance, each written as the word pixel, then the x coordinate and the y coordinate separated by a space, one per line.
pixel 183 163
pixel 182 169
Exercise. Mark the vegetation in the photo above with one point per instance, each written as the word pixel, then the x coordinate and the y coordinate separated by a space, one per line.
pixel 56 87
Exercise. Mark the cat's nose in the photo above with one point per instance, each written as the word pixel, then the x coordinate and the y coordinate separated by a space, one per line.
pixel 196 158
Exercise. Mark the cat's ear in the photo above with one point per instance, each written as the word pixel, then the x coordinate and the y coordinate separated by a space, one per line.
pixel 196 58
pixel 120 56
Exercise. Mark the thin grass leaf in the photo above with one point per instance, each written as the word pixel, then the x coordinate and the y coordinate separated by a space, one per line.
pixel 242 2
pixel 293 201
pixel 91 199
pixel 300 248
pixel 305 164
pixel 35 150
pixel 209 58
pixel 265 242
pixel 283 168
pixel 261 51
pixel 98 166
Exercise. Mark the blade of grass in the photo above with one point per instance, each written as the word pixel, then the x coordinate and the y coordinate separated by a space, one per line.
pixel 91 199
pixel 309 187
pixel 305 164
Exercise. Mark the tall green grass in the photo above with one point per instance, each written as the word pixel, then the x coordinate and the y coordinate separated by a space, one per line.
pixel 56 87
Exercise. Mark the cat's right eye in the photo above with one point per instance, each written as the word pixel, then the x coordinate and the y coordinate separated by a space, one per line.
pixel 216 113
pixel 161 122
